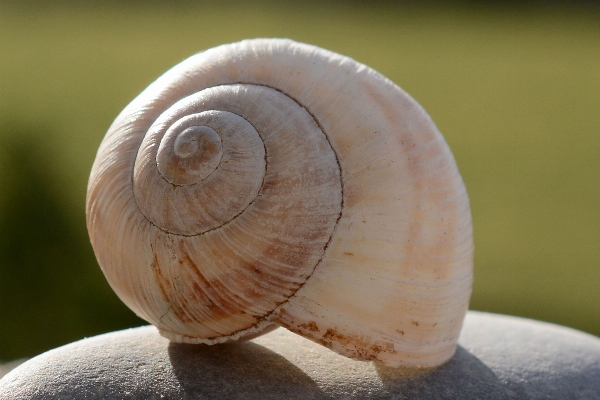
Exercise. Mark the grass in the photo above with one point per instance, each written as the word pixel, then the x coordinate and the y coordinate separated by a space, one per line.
pixel 516 91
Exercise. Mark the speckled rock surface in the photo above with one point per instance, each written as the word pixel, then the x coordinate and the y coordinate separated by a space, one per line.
pixel 5 368
pixel 499 357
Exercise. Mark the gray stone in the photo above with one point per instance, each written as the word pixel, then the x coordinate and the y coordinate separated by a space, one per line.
pixel 9 366
pixel 499 357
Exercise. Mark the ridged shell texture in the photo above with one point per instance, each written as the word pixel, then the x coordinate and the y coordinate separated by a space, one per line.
pixel 272 182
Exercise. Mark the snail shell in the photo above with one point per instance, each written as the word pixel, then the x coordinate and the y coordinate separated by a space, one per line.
pixel 272 182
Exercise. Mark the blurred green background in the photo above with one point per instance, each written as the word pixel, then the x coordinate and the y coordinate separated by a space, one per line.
pixel 514 88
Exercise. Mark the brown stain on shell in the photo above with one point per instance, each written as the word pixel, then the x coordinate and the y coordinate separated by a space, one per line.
pixel 211 293
pixel 311 326
pixel 361 348
pixel 164 285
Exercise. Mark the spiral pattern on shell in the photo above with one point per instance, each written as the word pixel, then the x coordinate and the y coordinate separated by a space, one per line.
pixel 272 182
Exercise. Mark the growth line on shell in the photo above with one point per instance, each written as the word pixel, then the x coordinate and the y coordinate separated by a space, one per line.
pixel 173 184
pixel 293 295
pixel 266 168
pixel 265 318
pixel 279 305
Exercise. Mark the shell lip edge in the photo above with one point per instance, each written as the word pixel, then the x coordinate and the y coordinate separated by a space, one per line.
pixel 262 327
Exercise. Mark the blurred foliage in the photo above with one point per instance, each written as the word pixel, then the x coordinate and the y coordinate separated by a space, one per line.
pixel 515 90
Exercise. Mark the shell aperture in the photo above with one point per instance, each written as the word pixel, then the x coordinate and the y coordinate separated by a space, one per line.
pixel 272 182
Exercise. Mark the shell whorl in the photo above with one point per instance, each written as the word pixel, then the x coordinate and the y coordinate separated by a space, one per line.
pixel 272 182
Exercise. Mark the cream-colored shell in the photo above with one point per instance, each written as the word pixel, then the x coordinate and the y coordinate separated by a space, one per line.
pixel 273 182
